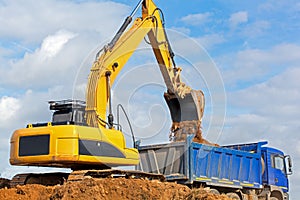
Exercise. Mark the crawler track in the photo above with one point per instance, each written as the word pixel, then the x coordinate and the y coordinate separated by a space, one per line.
pixel 50 179
pixel 113 173
pixel 4 183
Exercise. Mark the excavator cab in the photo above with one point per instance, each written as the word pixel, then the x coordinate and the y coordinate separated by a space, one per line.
pixel 68 112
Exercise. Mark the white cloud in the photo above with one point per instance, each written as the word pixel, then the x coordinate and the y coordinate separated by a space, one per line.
pixel 208 41
pixel 238 18
pixel 196 19
pixel 257 28
pixel 8 108
pixel 52 44
pixel 255 64
pixel 193 48
pixel 183 30
pixel 36 19
pixel 283 91
pixel 47 62
pixel 46 51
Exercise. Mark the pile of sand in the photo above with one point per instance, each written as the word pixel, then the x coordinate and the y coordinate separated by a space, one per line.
pixel 108 188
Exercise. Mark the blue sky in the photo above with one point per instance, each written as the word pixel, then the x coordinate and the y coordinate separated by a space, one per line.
pixel 250 48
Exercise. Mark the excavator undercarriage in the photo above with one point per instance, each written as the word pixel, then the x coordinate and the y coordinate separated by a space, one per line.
pixel 59 178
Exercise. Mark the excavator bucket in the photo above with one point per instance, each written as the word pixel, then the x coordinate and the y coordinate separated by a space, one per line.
pixel 187 116
pixel 189 108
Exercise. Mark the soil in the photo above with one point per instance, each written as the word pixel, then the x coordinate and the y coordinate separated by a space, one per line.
pixel 108 188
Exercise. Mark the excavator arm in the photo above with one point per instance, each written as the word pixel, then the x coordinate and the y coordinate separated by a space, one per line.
pixel 186 105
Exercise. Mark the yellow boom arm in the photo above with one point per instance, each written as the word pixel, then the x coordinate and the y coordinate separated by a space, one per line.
pixel 185 104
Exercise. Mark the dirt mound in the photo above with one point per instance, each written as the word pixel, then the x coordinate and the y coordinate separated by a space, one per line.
pixel 27 192
pixel 120 188
pixel 202 194
pixel 115 188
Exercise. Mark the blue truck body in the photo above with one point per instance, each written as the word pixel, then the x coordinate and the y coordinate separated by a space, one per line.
pixel 226 166
pixel 243 167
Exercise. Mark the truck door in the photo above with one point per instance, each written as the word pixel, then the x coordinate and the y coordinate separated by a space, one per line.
pixel 278 171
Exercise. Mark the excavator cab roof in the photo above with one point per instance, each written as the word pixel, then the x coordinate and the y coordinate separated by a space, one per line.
pixel 67 104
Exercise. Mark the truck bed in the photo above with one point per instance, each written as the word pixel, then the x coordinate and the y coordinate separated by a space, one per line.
pixel 188 162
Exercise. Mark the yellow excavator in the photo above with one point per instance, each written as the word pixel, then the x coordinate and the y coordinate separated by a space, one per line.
pixel 84 135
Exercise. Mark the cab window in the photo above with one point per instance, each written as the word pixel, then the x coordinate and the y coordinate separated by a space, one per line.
pixel 278 162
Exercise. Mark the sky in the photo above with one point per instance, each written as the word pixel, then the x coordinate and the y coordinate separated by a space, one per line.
pixel 244 55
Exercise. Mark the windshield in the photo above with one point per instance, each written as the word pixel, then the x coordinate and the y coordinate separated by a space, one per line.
pixel 61 116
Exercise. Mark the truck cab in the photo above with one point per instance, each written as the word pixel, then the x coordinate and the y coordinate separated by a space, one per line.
pixel 277 167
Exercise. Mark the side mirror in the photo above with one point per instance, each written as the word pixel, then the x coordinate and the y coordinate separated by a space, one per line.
pixel 288 160
pixel 137 144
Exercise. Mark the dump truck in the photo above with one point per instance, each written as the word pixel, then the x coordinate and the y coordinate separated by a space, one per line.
pixel 242 171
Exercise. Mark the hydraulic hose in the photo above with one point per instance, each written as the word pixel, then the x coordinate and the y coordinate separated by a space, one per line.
pixel 124 26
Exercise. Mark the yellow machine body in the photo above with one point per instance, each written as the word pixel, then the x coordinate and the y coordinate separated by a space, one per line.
pixel 71 146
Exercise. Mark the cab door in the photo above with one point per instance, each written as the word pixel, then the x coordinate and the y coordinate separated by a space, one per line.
pixel 278 171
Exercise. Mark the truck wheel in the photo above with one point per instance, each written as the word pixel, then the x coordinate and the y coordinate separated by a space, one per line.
pixel 214 191
pixel 273 198
pixel 233 195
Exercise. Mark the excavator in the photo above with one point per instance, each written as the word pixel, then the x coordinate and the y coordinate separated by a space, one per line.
pixel 84 136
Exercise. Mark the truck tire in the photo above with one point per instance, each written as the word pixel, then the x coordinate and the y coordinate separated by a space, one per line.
pixel 233 195
pixel 214 191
